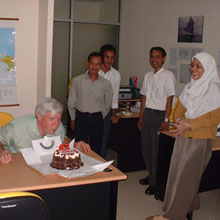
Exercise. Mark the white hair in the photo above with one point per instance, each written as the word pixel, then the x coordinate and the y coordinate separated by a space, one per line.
pixel 49 105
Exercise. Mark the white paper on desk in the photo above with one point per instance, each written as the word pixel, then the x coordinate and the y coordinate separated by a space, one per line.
pixel 37 162
pixel 42 164
pixel 44 167
pixel 101 167
pixel 85 170
pixel 30 156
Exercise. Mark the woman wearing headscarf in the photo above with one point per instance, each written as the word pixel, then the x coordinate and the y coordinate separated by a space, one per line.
pixel 197 116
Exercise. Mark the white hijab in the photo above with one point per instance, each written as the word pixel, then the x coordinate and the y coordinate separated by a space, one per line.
pixel 202 95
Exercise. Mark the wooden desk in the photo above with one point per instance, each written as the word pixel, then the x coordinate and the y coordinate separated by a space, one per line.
pixel 210 179
pixel 92 197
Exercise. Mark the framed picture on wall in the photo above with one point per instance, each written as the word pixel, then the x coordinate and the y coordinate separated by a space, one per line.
pixel 190 29
pixel 8 73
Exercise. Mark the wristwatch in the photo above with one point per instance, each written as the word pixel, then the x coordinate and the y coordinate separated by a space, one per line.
pixel 166 120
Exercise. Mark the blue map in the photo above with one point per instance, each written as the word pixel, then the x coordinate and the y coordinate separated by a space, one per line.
pixel 7 57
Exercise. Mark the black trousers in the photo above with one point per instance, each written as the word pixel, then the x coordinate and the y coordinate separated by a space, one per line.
pixel 106 133
pixel 89 128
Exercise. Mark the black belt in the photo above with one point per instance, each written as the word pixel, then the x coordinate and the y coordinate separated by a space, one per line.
pixel 90 115
pixel 154 110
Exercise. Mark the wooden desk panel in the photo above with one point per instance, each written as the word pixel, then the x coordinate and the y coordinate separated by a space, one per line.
pixel 66 198
pixel 215 143
pixel 18 176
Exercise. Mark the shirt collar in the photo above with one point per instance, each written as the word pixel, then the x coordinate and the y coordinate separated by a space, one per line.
pixel 111 68
pixel 159 71
pixel 87 75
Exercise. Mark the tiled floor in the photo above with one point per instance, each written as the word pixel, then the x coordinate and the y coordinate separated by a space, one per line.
pixel 134 204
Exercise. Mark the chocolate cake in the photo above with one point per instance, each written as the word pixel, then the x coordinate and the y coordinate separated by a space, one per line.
pixel 66 159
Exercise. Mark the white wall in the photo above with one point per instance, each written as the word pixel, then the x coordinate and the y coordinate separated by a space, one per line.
pixel 144 23
pixel 98 35
pixel 33 83
pixel 45 44
pixel 147 23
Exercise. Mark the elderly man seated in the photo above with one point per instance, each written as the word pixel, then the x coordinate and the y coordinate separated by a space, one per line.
pixel 20 132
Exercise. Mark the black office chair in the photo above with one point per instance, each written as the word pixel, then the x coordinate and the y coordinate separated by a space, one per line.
pixel 22 206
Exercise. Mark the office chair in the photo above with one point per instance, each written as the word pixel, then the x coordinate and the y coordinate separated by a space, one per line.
pixel 5 118
pixel 22 206
pixel 175 103
pixel 69 85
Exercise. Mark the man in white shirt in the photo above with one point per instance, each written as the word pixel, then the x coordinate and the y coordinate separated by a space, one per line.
pixel 108 72
pixel 158 90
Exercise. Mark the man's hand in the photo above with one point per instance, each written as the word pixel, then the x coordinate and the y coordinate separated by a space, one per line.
pixel 139 124
pixel 164 126
pixel 114 119
pixel 72 124
pixel 6 157
pixel 82 146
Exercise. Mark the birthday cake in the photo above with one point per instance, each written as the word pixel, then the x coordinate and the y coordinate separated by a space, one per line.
pixel 66 159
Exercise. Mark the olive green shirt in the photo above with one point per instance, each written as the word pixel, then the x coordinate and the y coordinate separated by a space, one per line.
pixel 20 132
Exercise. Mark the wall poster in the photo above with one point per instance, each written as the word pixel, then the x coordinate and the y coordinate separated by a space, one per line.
pixel 8 87
pixel 190 29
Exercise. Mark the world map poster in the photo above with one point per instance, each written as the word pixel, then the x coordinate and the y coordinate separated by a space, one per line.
pixel 8 94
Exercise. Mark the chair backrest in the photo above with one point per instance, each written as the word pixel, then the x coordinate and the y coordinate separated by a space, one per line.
pixel 5 118
pixel 172 113
pixel 70 84
pixel 22 205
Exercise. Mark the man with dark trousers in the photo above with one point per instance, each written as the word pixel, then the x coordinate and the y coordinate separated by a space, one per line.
pixel 158 90
pixel 89 102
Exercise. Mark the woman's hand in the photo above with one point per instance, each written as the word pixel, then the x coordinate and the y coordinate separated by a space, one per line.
pixel 181 126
